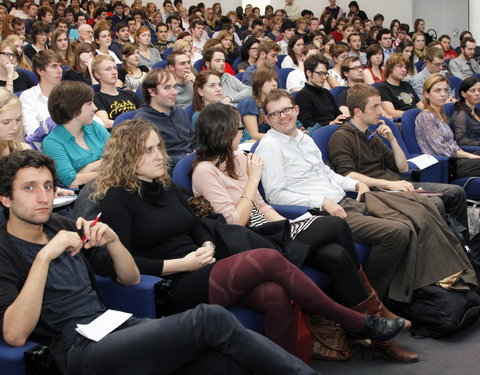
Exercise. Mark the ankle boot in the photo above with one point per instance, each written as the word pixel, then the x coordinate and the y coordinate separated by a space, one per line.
pixel 382 310
pixel 391 351
pixel 377 328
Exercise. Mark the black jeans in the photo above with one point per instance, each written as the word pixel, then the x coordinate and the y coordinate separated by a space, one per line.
pixel 206 339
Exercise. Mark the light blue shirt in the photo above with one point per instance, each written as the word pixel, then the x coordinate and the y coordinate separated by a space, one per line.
pixel 69 157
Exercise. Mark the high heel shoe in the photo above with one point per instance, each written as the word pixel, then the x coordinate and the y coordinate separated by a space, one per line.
pixel 381 329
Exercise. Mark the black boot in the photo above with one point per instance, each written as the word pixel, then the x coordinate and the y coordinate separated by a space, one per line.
pixel 379 328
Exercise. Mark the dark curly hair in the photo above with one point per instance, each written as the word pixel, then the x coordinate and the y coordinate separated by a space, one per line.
pixel 11 164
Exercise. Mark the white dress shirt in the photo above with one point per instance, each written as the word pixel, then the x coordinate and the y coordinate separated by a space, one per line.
pixel 295 174
pixel 34 108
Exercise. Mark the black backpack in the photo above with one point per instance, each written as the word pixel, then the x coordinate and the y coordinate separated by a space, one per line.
pixel 437 312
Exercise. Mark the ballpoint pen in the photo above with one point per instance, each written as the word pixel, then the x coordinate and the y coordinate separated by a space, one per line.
pixel 94 222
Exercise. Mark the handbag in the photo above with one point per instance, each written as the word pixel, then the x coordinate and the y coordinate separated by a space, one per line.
pixel 329 340
pixel 304 336
pixel 473 211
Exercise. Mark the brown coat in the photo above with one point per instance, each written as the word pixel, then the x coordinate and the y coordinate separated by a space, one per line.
pixel 433 252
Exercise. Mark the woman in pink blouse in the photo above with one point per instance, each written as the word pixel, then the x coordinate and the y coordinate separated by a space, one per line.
pixel 434 134
pixel 229 180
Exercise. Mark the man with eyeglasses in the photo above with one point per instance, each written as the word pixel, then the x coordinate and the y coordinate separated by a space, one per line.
pixel 352 69
pixel 316 104
pixel 434 63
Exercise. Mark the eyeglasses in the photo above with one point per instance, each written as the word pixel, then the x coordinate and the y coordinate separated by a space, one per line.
pixel 356 68
pixel 322 73
pixel 241 128
pixel 9 54
pixel 286 111
pixel 253 48
pixel 438 65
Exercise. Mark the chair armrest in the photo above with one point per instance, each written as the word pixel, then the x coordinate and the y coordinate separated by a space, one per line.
pixel 290 212
pixel 12 358
pixel 137 299
pixel 471 149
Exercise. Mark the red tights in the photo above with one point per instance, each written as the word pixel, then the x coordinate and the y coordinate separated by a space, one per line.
pixel 263 280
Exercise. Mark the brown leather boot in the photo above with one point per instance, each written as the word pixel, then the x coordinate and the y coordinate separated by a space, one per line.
pixel 382 310
pixel 391 351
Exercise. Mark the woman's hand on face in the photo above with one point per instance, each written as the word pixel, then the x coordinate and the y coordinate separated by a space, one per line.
pixel 10 68
pixel 199 258
pixel 254 167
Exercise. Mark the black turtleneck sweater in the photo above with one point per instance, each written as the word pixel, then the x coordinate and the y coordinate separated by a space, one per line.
pixel 317 105
pixel 157 226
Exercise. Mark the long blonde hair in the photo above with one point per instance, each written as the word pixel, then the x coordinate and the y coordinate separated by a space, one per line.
pixel 9 100
pixel 123 151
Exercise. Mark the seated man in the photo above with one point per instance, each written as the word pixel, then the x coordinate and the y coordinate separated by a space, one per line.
pixel 160 93
pixel 46 290
pixel 268 52
pixel 233 90
pixel 355 153
pixel 316 104
pixel 180 66
pixel 433 64
pixel 394 225
pixel 397 95
pixel 465 65
pixel 110 101
pixel 352 69
pixel 47 66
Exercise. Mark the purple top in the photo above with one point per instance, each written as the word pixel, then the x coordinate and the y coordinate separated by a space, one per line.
pixel 434 136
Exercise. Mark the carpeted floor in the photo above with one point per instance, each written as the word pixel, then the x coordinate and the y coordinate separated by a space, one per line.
pixel 453 355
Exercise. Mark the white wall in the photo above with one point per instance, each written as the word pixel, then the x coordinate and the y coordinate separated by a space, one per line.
pixel 450 17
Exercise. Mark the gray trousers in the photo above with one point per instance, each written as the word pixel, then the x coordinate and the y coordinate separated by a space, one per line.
pixel 204 340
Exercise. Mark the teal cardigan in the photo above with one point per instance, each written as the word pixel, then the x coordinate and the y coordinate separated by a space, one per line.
pixel 69 157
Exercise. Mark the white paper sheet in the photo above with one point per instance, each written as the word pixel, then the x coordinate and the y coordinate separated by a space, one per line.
pixel 306 215
pixel 423 161
pixel 103 325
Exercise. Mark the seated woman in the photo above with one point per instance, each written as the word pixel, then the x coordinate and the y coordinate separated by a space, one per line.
pixel 434 135
pixel 419 47
pixel 406 49
pixel 11 128
pixel 11 133
pixel 156 225
pixel 294 57
pixel 229 180
pixel 81 70
pixel 61 45
pixel 9 77
pixel 22 61
pixel 328 44
pixel 248 53
pixel 264 80
pixel 131 73
pixel 148 54
pixel 207 89
pixel 466 115
pixel 374 71
pixel 225 38
pixel 103 40
pixel 39 35
pixel 76 144
pixel 335 77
